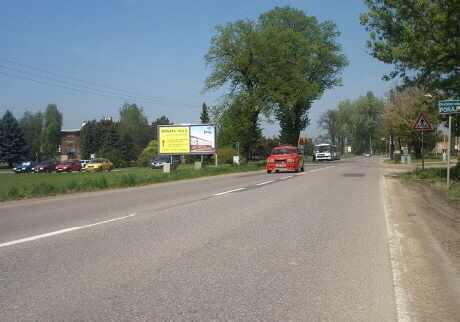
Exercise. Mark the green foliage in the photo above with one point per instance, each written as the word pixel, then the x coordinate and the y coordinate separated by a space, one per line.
pixel 225 155
pixel 133 123
pixel 204 116
pixel 51 134
pixel 89 139
pixel 419 37
pixel 32 126
pixel 280 63
pixel 356 123
pixel 13 147
pixel 150 151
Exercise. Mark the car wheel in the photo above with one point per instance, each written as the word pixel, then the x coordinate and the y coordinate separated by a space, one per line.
pixel 302 169
pixel 268 171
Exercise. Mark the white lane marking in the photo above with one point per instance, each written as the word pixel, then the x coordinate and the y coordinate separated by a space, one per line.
pixel 229 191
pixel 287 177
pixel 321 169
pixel 265 182
pixel 62 231
pixel 395 249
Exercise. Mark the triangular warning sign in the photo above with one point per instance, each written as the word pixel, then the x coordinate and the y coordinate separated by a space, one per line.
pixel 422 123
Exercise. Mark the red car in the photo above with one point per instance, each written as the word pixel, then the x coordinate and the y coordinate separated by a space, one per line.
pixel 285 158
pixel 68 166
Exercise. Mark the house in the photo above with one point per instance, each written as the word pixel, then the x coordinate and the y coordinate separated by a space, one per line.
pixel 69 148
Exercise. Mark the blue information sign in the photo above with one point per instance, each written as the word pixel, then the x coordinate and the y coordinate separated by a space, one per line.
pixel 449 107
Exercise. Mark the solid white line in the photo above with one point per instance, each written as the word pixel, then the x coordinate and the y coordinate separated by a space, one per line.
pixel 62 231
pixel 265 182
pixel 229 191
pixel 284 178
pixel 394 247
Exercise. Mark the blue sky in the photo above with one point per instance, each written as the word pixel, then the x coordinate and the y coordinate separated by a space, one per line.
pixel 149 48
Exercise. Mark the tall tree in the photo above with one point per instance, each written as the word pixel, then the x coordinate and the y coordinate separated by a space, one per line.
pixel 302 59
pixel 90 139
pixel 204 117
pixel 32 126
pixel 13 147
pixel 329 121
pixel 51 135
pixel 420 38
pixel 133 123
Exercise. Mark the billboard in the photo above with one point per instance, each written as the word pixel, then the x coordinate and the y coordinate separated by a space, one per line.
pixel 174 139
pixel 187 139
pixel 202 139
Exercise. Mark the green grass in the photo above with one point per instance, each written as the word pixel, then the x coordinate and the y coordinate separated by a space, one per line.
pixel 23 186
pixel 436 177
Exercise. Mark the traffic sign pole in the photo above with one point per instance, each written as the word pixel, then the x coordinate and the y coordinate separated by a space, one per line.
pixel 448 151
pixel 423 155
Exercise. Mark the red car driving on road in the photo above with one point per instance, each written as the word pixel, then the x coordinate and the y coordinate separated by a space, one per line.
pixel 285 158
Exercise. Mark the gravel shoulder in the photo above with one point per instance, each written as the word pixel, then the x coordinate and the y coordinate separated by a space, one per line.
pixel 424 230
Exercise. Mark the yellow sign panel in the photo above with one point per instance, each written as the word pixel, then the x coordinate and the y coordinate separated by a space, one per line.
pixel 174 139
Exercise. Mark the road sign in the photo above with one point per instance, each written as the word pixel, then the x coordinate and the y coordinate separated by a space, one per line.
pixel 449 107
pixel 422 123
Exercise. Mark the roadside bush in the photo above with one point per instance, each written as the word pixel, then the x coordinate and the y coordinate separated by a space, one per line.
pixel 43 189
pixel 150 151
pixel 225 155
pixel 14 193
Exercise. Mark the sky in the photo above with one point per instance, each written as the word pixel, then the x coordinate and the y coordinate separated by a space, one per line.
pixel 150 53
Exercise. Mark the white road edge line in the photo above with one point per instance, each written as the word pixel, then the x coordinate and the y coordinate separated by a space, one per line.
pixel 394 247
pixel 265 182
pixel 284 178
pixel 62 231
pixel 229 191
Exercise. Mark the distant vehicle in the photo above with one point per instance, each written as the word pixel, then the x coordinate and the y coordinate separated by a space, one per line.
pixel 84 163
pixel 99 165
pixel 160 161
pixel 45 166
pixel 68 166
pixel 285 158
pixel 367 155
pixel 24 167
pixel 325 152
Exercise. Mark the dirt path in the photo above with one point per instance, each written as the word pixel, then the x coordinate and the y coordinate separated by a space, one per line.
pixel 424 237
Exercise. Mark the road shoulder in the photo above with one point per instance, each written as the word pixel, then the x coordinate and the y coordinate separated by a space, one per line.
pixel 424 241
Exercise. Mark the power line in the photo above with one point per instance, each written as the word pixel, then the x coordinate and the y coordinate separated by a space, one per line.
pixel 72 83
pixel 74 79
pixel 82 88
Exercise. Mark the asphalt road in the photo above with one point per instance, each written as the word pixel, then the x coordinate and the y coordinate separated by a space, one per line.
pixel 240 247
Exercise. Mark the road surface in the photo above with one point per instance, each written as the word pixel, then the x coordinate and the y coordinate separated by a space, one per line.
pixel 251 246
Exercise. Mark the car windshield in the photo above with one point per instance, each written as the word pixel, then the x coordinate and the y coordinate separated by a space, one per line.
pixel 283 151
pixel 96 161
pixel 25 163
pixel 322 149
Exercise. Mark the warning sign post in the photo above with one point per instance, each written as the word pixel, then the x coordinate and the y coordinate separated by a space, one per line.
pixel 423 124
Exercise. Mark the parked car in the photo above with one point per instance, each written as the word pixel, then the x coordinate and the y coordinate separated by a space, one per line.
pixel 99 165
pixel 84 163
pixel 24 167
pixel 68 166
pixel 45 166
pixel 285 158
pixel 158 162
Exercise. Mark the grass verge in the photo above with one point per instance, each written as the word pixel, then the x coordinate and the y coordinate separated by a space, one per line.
pixel 13 187
pixel 436 177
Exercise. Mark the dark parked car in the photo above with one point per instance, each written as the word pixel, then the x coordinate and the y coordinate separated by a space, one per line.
pixel 24 167
pixel 45 166
pixel 68 166
pixel 160 161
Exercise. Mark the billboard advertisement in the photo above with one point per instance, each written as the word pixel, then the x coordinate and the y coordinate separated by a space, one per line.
pixel 174 139
pixel 202 139
pixel 187 139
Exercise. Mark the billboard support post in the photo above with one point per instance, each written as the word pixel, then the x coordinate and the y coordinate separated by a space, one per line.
pixel 449 138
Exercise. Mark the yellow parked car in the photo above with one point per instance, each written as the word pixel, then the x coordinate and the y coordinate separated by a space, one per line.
pixel 99 165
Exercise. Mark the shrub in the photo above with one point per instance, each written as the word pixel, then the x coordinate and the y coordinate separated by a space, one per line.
pixel 148 154
pixel 225 155
pixel 128 180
